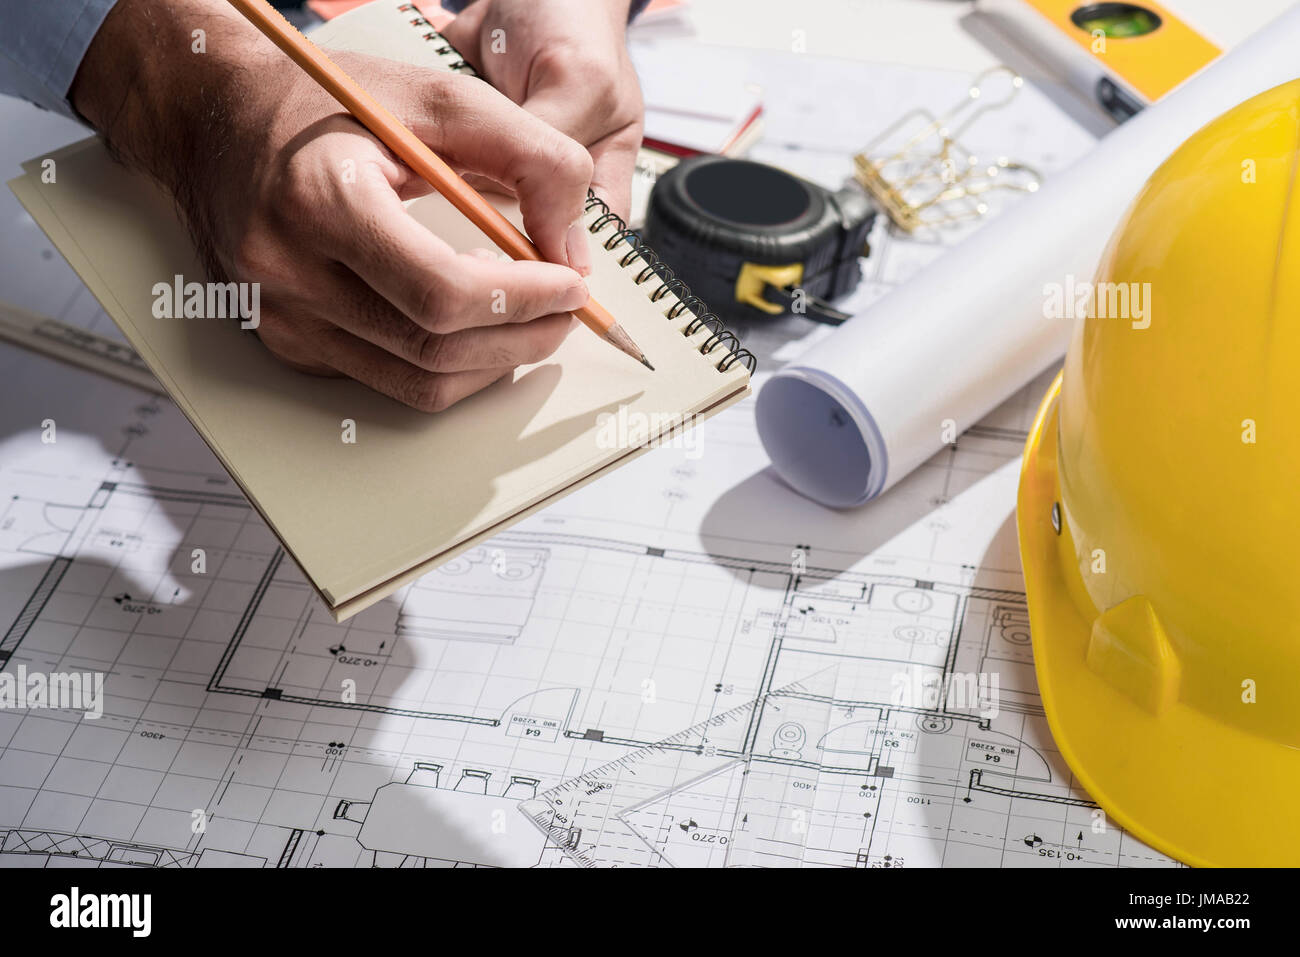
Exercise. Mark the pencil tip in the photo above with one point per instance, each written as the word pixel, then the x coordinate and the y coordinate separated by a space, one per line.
pixel 624 343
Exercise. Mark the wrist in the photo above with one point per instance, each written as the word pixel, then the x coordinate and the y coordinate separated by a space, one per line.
pixel 159 80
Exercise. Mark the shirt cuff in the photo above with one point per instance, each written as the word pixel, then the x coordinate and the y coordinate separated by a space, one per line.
pixel 42 46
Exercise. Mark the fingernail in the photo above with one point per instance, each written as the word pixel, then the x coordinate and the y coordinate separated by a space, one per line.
pixel 575 246
pixel 574 297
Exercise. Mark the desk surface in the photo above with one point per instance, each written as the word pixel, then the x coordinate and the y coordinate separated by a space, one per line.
pixel 578 637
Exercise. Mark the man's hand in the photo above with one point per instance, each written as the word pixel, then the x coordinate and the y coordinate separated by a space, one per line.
pixel 281 187
pixel 566 62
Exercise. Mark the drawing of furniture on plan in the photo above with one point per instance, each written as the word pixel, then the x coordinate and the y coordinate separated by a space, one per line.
pixel 425 730
pixel 879 726
pixel 486 594
pixel 419 819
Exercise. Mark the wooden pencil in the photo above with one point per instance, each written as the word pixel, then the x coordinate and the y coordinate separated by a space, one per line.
pixel 416 154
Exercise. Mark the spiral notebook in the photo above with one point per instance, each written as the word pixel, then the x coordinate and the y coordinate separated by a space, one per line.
pixel 411 491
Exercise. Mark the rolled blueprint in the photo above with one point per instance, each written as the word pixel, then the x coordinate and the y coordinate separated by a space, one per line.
pixel 871 402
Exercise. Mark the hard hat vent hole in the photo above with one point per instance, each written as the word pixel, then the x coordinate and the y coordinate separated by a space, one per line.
pixel 1056 517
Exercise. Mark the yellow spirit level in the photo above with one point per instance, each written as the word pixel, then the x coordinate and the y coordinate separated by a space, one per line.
pixel 1123 55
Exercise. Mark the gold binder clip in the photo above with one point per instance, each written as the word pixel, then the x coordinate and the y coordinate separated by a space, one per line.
pixel 931 179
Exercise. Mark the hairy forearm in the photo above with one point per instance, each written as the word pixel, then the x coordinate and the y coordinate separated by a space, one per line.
pixel 161 73
pixel 281 188
pixel 163 81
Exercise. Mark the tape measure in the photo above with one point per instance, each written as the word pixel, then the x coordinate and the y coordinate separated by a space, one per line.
pixel 1124 55
pixel 754 241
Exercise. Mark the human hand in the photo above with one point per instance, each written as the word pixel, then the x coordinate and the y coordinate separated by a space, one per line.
pixel 282 187
pixel 566 62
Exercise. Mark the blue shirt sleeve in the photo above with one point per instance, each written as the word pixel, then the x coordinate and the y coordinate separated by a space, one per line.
pixel 41 46
pixel 42 43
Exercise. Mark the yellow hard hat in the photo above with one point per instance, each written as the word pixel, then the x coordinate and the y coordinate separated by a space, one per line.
pixel 1159 506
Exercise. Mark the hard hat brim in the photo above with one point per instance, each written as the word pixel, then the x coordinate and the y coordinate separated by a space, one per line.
pixel 1194 788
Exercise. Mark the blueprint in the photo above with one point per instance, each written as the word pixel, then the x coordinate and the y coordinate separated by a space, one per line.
pixel 578 638
pixel 731 676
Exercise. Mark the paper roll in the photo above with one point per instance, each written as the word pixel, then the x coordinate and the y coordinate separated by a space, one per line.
pixel 867 405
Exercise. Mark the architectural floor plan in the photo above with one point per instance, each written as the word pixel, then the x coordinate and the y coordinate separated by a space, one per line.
pixel 736 677
pixel 732 677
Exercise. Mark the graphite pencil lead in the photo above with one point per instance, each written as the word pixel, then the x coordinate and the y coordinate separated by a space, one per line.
pixel 620 339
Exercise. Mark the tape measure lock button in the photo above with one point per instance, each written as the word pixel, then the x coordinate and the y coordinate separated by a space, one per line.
pixel 753 240
pixel 754 280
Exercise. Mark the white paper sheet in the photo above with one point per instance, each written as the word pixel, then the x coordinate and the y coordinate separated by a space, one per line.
pixel 580 637
pixel 869 404
pixel 585 636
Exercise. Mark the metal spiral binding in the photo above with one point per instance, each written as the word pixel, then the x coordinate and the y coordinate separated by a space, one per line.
pixel 669 284
pixel 701 317
pixel 433 36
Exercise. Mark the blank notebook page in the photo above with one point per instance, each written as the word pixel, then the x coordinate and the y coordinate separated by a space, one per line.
pixel 412 486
